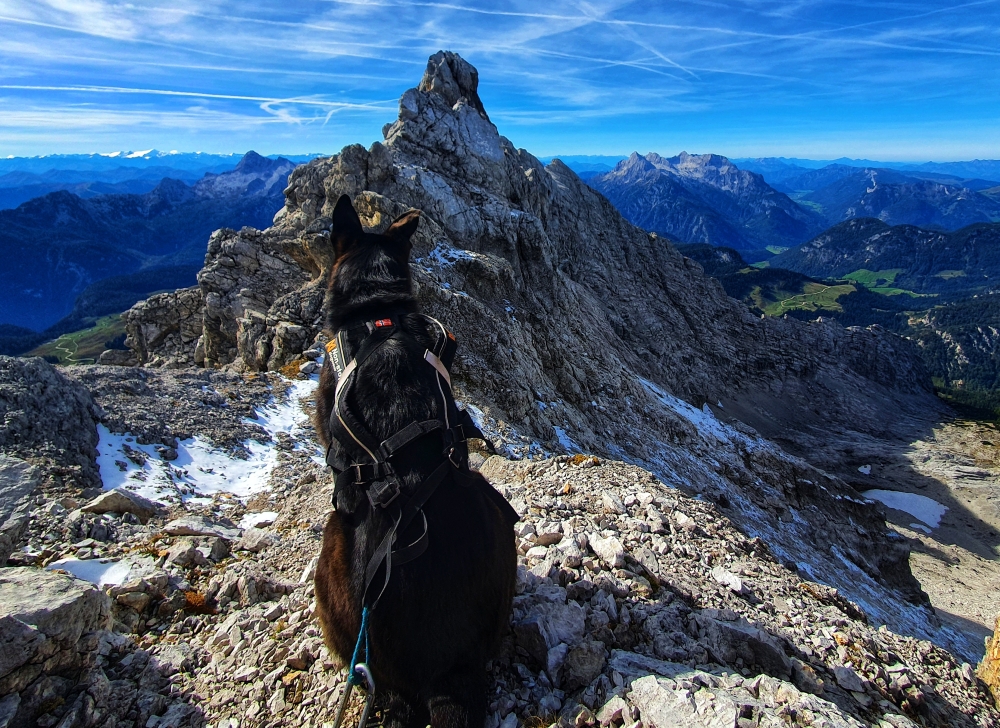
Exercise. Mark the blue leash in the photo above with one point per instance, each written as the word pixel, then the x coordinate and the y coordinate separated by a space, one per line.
pixel 355 677
pixel 358 674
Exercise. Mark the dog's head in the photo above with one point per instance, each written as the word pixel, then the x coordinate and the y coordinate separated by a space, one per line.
pixel 369 268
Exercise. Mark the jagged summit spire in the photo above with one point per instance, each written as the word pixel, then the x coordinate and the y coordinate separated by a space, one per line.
pixel 443 126
pixel 454 78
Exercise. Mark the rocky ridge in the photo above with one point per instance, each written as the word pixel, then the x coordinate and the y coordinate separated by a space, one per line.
pixel 683 566
pixel 636 602
pixel 578 332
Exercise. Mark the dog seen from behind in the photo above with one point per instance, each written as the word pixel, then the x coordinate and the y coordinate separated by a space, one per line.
pixel 418 563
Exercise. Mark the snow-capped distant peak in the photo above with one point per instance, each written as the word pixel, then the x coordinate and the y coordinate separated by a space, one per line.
pixel 137 155
pixel 109 154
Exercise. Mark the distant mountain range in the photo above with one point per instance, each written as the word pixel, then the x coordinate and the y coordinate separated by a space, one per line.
pixel 56 245
pixel 89 175
pixel 199 162
pixel 705 198
pixel 838 193
pixel 770 203
pixel 774 169
pixel 902 256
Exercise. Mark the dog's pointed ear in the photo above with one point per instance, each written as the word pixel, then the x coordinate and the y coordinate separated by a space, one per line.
pixel 404 226
pixel 345 220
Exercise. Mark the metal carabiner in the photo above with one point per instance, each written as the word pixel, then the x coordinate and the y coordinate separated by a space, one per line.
pixel 370 699
pixel 362 669
pixel 348 689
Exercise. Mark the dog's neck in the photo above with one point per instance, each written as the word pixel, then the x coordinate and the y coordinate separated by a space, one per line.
pixel 346 314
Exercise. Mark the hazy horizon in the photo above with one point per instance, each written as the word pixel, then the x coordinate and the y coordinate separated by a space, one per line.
pixel 121 154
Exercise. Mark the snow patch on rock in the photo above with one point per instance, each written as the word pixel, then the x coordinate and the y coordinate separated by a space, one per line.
pixel 921 507
pixel 200 468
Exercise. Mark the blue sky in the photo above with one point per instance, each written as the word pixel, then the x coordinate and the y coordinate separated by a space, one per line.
pixel 882 79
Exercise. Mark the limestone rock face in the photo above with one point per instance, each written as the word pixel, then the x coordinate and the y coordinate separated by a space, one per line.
pixel 248 280
pixel 46 418
pixel 43 617
pixel 454 78
pixel 580 332
pixel 164 329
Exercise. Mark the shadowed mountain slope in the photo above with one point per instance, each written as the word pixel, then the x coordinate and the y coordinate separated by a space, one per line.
pixel 54 246
pixel 923 261
pixel 707 199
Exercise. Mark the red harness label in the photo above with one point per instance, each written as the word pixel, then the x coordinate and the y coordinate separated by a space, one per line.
pixel 383 322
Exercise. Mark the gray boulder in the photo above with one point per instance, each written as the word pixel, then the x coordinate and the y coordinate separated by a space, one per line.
pixel 202 526
pixel 728 637
pixel 122 500
pixel 255 540
pixel 18 481
pixel 46 418
pixel 11 531
pixel 43 618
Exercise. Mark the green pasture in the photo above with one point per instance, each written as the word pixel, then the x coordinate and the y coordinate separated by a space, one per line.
pixel 84 346
pixel 814 297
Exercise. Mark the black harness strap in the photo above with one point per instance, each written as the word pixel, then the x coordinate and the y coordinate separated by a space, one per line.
pixel 371 465
pixel 385 552
pixel 413 431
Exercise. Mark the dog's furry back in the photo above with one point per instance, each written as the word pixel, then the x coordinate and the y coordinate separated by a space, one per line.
pixel 441 616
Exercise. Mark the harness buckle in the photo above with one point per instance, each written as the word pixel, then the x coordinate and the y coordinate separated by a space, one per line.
pixel 384 493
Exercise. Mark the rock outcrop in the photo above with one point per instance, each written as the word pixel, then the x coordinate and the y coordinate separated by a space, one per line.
pixel 989 668
pixel 579 332
pixel 164 330
pixel 62 665
pixel 48 419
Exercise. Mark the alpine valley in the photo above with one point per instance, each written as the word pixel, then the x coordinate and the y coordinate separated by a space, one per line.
pixel 710 384
pixel 71 257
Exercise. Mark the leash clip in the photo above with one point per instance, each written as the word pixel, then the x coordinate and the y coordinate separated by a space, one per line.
pixel 362 668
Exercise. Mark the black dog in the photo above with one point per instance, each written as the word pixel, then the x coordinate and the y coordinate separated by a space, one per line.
pixel 441 614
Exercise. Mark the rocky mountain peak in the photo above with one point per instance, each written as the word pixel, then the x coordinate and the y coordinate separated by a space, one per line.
pixel 696 165
pixel 443 126
pixel 635 164
pixel 580 332
pixel 454 78
pixel 254 175
pixel 253 163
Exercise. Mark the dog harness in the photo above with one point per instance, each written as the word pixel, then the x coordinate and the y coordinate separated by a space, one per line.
pixel 362 461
